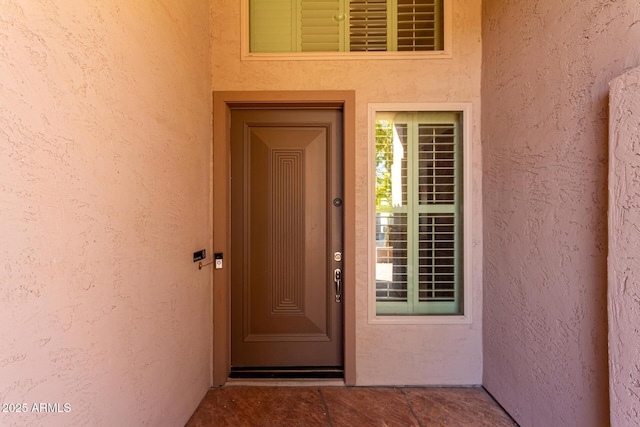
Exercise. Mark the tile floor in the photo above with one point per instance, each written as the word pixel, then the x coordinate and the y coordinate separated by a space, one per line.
pixel 348 406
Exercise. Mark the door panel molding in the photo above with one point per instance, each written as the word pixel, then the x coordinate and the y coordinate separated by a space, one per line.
pixel 284 169
pixel 223 103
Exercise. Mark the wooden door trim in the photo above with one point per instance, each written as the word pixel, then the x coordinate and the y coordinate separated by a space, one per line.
pixel 223 103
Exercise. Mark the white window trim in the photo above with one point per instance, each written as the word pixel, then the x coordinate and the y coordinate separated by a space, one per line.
pixel 246 55
pixel 466 318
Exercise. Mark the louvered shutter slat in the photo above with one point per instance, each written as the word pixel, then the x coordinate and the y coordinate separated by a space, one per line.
pixel 417 22
pixel 320 26
pixel 368 25
pixel 270 24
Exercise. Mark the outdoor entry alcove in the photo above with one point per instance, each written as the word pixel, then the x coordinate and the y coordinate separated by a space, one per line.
pixel 223 105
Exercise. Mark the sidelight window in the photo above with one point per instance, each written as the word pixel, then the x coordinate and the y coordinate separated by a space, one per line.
pixel 419 213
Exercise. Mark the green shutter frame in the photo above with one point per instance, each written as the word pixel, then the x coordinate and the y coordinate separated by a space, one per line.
pixel 443 284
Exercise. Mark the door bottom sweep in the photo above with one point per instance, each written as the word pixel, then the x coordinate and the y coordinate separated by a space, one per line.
pixel 296 372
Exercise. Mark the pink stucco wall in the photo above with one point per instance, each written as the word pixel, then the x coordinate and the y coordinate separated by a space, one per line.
pixel 624 249
pixel 546 68
pixel 105 136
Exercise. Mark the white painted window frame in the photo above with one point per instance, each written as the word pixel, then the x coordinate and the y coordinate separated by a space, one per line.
pixel 246 55
pixel 466 317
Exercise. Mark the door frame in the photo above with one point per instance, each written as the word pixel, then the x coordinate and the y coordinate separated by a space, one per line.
pixel 223 103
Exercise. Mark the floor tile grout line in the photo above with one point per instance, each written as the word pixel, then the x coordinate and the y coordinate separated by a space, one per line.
pixel 326 407
pixel 406 398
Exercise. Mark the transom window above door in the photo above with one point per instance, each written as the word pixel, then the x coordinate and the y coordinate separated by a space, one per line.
pixel 346 28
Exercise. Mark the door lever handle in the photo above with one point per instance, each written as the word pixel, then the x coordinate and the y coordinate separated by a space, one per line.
pixel 337 278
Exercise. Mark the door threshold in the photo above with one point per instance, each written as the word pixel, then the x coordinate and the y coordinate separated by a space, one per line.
pixel 286 372
pixel 251 382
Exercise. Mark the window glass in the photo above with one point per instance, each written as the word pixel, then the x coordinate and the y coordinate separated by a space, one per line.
pixel 418 193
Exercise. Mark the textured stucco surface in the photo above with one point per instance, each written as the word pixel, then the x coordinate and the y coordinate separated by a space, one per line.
pixel 624 249
pixel 546 68
pixel 104 195
pixel 385 354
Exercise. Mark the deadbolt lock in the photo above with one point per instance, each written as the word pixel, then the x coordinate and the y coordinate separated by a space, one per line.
pixel 337 256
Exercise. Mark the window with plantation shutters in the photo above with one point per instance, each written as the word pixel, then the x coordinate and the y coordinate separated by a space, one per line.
pixel 418 170
pixel 279 26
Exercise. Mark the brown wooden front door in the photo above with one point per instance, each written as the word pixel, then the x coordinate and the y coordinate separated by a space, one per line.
pixel 286 238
